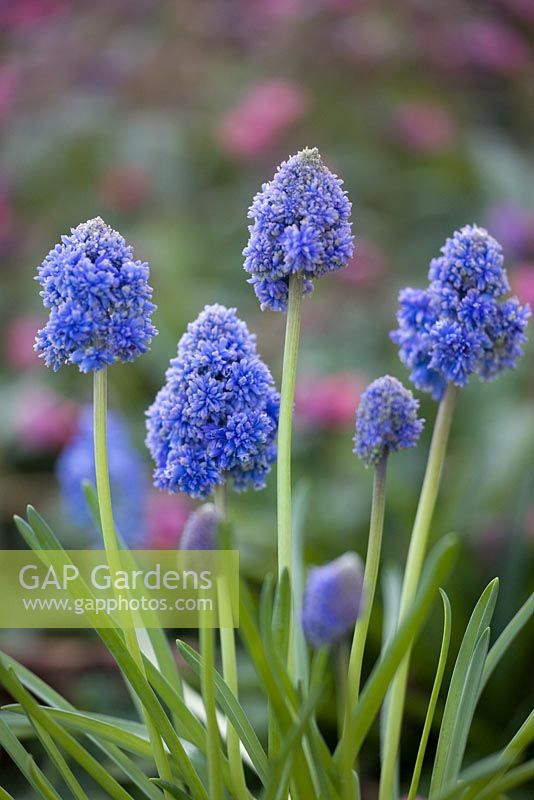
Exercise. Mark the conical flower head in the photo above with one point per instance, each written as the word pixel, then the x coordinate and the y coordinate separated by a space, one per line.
pixel 332 600
pixel 200 529
pixel 301 225
pixel 460 324
pixel 386 420
pixel 99 299
pixel 215 418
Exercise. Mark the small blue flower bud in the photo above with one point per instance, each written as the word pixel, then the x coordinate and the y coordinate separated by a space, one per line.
pixel 301 225
pixel 215 418
pixel 99 300
pixel 200 529
pixel 332 600
pixel 386 420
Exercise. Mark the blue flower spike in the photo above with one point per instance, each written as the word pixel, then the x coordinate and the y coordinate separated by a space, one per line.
pixel 99 299
pixel 332 600
pixel 215 419
pixel 301 224
pixel 461 325
pixel 200 529
pixel 386 421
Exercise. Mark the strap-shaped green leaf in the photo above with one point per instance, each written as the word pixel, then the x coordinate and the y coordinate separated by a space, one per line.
pixel 233 711
pixel 514 627
pixel 171 789
pixel 438 565
pixel 440 670
pixel 24 762
pixel 444 770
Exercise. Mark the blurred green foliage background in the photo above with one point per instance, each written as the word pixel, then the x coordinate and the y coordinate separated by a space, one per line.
pixel 164 118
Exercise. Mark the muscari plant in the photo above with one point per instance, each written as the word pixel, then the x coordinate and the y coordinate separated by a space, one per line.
pixel 213 427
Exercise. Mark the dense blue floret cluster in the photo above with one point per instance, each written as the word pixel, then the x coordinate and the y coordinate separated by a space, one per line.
pixel 200 529
pixel 386 420
pixel 215 418
pixel 332 600
pixel 99 300
pixel 301 225
pixel 460 325
pixel 127 473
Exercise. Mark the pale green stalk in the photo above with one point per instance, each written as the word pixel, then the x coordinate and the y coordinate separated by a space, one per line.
pixel 111 546
pixel 229 669
pixel 414 565
pixel 207 684
pixel 370 577
pixel 287 396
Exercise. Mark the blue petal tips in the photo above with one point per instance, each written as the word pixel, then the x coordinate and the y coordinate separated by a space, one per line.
pixel 99 299
pixel 332 600
pixel 459 325
pixel 215 419
pixel 301 225
pixel 386 420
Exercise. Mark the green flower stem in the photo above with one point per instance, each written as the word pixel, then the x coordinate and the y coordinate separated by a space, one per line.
pixel 207 685
pixel 289 374
pixel 229 667
pixel 370 577
pixel 414 565
pixel 111 546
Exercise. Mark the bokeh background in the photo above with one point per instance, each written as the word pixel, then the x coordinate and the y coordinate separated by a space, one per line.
pixel 164 118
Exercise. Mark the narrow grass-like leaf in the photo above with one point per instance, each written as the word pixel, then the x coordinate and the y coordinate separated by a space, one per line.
pixel 207 647
pixel 279 774
pixel 171 789
pixel 233 711
pixel 115 644
pixel 4 795
pixel 64 739
pixel 22 759
pixel 45 693
pixel 514 778
pixel 479 621
pixel 466 709
pixel 438 566
pixel 440 670
pixel 514 627
pixel 298 576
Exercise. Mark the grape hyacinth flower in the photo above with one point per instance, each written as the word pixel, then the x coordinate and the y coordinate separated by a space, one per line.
pixel 200 530
pixel 461 325
pixel 386 421
pixel 127 472
pixel 332 600
pixel 99 300
pixel 215 418
pixel 301 226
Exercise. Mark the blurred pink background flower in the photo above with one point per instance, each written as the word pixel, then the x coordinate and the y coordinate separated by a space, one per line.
pixel 44 421
pixel 328 401
pixel 513 227
pixel 19 338
pixel 367 265
pixel 424 127
pixel 166 518
pixel 522 282
pixel 263 115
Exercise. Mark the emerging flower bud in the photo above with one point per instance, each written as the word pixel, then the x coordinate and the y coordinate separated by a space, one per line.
pixel 386 420
pixel 301 225
pixel 200 530
pixel 332 600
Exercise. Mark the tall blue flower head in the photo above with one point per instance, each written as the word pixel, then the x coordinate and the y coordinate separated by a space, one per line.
pixel 128 479
pixel 332 600
pixel 301 225
pixel 99 300
pixel 461 325
pixel 386 420
pixel 215 418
